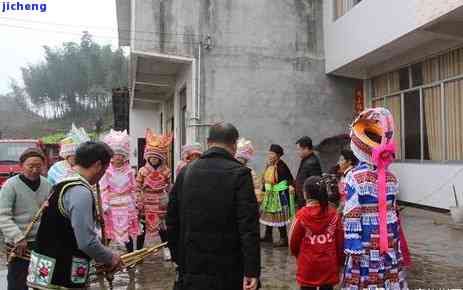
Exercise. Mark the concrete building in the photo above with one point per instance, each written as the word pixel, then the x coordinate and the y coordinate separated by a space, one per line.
pixel 259 64
pixel 283 69
pixel 409 55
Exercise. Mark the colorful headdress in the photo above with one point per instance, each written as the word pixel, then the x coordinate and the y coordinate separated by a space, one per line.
pixel 157 145
pixel 74 138
pixel 371 129
pixel 244 149
pixel 190 149
pixel 118 141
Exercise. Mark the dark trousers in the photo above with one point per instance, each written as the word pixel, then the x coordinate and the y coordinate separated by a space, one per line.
pixel 269 232
pixel 324 287
pixel 17 274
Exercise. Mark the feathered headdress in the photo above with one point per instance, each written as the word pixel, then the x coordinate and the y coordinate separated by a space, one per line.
pixel 74 138
pixel 118 141
pixel 157 145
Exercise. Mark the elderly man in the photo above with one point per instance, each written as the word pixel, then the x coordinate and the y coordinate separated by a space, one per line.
pixel 20 199
pixel 212 219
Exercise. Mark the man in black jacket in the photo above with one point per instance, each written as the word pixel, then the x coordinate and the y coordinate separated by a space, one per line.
pixel 309 166
pixel 212 219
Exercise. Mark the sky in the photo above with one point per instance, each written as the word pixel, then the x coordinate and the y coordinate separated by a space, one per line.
pixel 24 33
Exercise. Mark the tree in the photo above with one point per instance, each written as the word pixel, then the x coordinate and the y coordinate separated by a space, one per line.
pixel 74 79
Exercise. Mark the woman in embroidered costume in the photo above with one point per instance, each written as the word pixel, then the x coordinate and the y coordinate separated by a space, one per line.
pixel 64 168
pixel 119 193
pixel 154 182
pixel 190 152
pixel 278 207
pixel 373 239
pixel 244 153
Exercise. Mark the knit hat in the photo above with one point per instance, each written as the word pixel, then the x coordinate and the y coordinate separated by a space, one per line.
pixel 372 128
pixel 244 149
pixel 118 141
pixel 74 138
pixel 275 148
pixel 157 145
pixel 191 149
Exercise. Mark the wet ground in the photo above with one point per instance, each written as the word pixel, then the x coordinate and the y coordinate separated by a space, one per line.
pixel 435 243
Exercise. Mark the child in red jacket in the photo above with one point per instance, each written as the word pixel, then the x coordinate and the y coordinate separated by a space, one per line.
pixel 316 239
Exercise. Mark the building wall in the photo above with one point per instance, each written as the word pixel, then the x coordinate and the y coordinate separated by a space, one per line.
pixel 264 71
pixel 430 183
pixel 364 28
pixel 371 24
pixel 429 10
pixel 140 119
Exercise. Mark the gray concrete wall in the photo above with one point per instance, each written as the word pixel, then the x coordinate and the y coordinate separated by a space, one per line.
pixel 264 71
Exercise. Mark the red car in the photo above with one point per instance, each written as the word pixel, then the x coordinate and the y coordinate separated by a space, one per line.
pixel 10 150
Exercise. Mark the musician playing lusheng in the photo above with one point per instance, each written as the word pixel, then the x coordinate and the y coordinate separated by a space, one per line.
pixel 67 239
pixel 20 198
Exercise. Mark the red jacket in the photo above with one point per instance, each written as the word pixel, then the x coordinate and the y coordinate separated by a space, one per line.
pixel 316 240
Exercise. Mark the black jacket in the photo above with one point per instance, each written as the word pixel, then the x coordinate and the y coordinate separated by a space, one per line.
pixel 309 166
pixel 212 223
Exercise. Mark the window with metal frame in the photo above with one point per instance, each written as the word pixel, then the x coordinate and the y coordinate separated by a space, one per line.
pixel 426 99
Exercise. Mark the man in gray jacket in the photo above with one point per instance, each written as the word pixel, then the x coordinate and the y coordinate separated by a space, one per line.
pixel 20 199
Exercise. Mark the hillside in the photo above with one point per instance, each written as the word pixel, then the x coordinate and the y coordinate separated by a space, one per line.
pixel 16 123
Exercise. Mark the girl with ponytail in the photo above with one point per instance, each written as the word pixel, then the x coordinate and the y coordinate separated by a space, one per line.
pixel 316 238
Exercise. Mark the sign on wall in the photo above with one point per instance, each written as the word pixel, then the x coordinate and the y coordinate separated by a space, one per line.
pixel 359 98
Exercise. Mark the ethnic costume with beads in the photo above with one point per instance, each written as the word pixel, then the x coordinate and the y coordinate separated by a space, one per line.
pixel 68 147
pixel 57 262
pixel 373 237
pixel 245 152
pixel 189 151
pixel 119 193
pixel 154 183
pixel 278 205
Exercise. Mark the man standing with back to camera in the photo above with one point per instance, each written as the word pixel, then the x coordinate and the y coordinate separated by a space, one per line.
pixel 212 219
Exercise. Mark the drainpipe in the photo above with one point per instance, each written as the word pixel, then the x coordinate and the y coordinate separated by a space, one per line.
pixel 197 116
pixel 198 97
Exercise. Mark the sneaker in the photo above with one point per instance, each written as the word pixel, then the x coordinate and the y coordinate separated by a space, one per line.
pixel 166 254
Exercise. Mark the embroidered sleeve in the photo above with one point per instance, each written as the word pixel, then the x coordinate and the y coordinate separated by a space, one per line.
pixel 133 185
pixel 352 219
pixel 257 185
pixel 139 184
